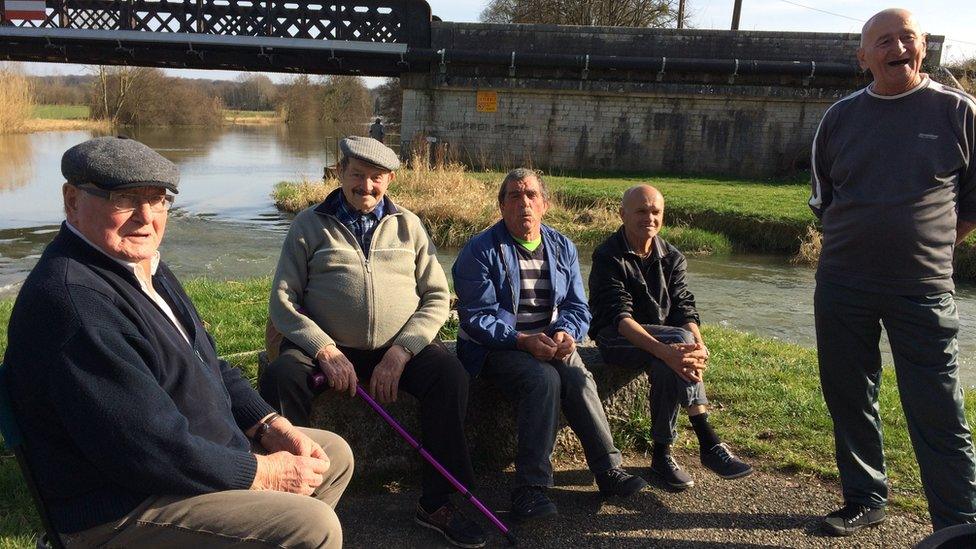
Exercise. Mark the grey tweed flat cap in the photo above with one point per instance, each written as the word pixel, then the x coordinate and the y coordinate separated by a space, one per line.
pixel 114 163
pixel 369 150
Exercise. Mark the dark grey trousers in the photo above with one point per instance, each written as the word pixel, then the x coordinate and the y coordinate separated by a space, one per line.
pixel 669 392
pixel 538 388
pixel 922 331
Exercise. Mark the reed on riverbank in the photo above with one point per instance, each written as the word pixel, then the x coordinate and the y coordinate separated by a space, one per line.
pixel 765 396
pixel 454 206
pixel 16 100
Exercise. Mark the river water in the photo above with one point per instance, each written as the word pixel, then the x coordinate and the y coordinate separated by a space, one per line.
pixel 224 225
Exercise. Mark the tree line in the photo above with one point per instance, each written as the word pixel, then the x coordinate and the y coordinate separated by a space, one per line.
pixel 148 96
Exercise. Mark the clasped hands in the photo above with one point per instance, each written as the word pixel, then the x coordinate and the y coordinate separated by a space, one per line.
pixel 688 360
pixel 545 348
pixel 295 463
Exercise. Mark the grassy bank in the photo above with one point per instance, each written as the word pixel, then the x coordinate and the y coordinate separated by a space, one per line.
pixel 765 396
pixel 252 118
pixel 61 112
pixel 455 205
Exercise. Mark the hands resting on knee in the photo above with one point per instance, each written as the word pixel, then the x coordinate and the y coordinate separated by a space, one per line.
pixel 295 463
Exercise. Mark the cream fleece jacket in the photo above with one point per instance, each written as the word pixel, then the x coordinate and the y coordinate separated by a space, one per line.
pixel 398 295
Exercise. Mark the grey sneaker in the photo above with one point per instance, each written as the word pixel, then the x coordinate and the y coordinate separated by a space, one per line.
pixel 672 473
pixel 724 463
pixel 850 518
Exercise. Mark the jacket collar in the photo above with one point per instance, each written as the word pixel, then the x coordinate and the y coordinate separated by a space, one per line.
pixel 73 245
pixel 658 250
pixel 330 206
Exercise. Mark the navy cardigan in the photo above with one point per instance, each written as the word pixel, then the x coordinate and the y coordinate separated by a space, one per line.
pixel 114 405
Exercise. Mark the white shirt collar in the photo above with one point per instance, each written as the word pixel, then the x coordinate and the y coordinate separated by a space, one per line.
pixel 920 85
pixel 131 266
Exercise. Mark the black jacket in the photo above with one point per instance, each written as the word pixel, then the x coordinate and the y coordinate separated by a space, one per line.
pixel 620 287
pixel 113 403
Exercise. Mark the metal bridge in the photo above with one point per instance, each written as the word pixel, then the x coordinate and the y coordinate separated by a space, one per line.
pixel 367 37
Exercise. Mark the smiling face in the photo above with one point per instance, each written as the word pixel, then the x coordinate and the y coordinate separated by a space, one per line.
pixel 892 48
pixel 523 204
pixel 132 236
pixel 642 213
pixel 364 184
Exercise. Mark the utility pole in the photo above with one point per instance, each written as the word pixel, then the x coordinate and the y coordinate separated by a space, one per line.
pixel 736 11
pixel 681 14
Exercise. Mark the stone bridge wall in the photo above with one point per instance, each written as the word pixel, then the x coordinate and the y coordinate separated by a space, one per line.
pixel 687 123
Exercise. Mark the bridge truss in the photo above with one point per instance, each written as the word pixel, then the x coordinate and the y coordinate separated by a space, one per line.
pixel 369 37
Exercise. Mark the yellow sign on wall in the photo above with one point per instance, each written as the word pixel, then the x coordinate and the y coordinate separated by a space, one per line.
pixel 487 101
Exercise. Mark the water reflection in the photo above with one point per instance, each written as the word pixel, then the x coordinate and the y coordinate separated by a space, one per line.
pixel 225 226
pixel 16 161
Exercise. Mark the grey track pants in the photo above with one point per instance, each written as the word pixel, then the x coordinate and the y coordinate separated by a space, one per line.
pixel 922 331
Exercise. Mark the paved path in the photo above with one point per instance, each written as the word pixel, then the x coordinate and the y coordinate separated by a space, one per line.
pixel 767 509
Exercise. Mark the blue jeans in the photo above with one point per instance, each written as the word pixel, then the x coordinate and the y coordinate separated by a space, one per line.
pixel 669 392
pixel 538 389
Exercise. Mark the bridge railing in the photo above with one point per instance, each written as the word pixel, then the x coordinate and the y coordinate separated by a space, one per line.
pixel 387 21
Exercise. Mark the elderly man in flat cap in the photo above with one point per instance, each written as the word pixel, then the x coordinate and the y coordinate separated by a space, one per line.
pixel 893 169
pixel 359 295
pixel 138 434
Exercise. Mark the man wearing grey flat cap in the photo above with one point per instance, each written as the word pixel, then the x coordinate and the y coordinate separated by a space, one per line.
pixel 136 432
pixel 359 295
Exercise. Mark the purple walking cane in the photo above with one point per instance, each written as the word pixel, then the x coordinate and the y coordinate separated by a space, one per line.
pixel 317 381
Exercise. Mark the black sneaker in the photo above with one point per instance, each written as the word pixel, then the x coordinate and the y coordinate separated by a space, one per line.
pixel 531 502
pixel 723 462
pixel 672 473
pixel 617 482
pixel 458 529
pixel 850 518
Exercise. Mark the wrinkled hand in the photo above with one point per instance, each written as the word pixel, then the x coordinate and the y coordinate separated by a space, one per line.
pixel 284 472
pixel 540 346
pixel 285 437
pixel 385 381
pixel 565 345
pixel 337 369
pixel 688 360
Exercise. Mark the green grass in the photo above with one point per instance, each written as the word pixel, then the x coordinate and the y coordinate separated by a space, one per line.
pixel 61 112
pixel 765 398
pixel 752 215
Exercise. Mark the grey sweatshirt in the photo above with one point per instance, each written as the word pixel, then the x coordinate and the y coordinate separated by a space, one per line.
pixel 891 175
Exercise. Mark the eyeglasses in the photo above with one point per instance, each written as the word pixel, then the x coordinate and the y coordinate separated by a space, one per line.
pixel 127 202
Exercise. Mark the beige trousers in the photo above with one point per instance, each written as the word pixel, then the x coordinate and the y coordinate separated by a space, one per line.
pixel 235 518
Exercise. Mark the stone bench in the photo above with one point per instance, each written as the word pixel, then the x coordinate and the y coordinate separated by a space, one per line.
pixel 490 424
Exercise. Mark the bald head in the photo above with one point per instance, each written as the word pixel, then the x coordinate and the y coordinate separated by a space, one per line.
pixel 641 193
pixel 642 212
pixel 892 48
pixel 885 16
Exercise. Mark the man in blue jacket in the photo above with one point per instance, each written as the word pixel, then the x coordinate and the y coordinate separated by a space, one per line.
pixel 137 433
pixel 522 310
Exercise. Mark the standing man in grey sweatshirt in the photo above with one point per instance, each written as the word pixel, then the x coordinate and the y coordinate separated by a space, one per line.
pixel 893 177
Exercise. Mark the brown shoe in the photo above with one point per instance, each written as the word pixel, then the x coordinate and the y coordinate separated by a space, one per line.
pixel 454 526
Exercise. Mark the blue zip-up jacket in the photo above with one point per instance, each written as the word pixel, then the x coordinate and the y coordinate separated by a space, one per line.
pixel 487 283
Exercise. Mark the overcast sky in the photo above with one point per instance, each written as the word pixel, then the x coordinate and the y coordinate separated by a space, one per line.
pixel 955 19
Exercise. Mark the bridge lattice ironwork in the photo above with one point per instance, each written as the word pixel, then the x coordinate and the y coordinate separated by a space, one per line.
pixel 387 21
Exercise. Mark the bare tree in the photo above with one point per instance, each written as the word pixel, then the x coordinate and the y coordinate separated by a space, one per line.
pixel 612 13
pixel 112 89
pixel 389 101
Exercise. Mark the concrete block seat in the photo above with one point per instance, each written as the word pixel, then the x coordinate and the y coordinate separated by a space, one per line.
pixel 490 423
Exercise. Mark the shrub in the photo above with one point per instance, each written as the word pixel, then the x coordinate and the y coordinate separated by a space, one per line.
pixel 16 99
